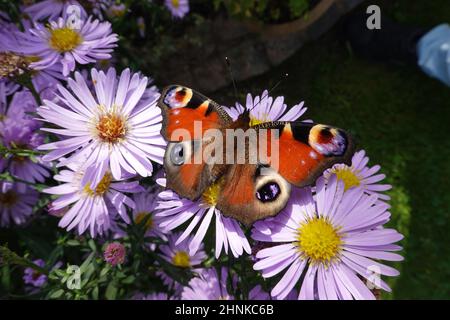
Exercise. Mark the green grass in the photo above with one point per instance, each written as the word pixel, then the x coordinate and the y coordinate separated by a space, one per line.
pixel 400 117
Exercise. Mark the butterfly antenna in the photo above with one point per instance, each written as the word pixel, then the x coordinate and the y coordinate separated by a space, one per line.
pixel 270 90
pixel 230 70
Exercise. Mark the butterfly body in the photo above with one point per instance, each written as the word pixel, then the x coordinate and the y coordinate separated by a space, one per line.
pixel 251 176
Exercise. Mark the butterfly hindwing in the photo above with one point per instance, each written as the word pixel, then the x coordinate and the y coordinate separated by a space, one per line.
pixel 305 149
pixel 186 172
pixel 250 192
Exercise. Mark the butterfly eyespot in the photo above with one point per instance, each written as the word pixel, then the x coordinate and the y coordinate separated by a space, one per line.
pixel 177 154
pixel 328 141
pixel 177 97
pixel 268 192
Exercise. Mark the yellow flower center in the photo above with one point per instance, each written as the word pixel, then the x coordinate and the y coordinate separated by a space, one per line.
pixel 318 240
pixel 111 128
pixel 64 39
pixel 181 259
pixel 176 3
pixel 262 118
pixel 9 198
pixel 211 194
pixel 101 188
pixel 141 216
pixel 349 178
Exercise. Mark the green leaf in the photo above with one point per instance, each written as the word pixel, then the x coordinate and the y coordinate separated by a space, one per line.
pixel 95 293
pixel 73 243
pixel 298 7
pixel 105 271
pixel 92 245
pixel 129 279
pixel 6 277
pixel 86 262
pixel 111 291
pixel 56 294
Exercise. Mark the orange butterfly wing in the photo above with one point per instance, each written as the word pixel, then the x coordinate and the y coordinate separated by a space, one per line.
pixel 305 150
pixel 302 152
pixel 183 108
pixel 186 116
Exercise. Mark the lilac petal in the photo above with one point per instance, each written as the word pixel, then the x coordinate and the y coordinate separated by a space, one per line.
pixel 289 280
pixel 326 284
pixel 194 222
pixel 370 264
pixel 277 268
pixel 221 238
pixel 268 252
pixel 374 237
pixel 354 284
pixel 274 259
pixel 198 238
pixel 366 273
pixel 307 289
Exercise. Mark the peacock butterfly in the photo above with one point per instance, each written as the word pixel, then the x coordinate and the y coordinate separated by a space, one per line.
pixel 248 190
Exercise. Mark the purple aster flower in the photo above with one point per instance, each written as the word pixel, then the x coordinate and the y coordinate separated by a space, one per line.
pixel 21 135
pixel 8 36
pixel 360 175
pixel 16 202
pixel 179 256
pixel 145 204
pixel 19 131
pixel 178 8
pixel 175 211
pixel 56 213
pixel 114 253
pixel 44 81
pixel 266 109
pixel 60 42
pixel 209 285
pixel 20 107
pixel 335 238
pixel 116 10
pixel 91 208
pixel 7 88
pixel 51 9
pixel 257 293
pixel 178 253
pixel 117 131
pixel 33 277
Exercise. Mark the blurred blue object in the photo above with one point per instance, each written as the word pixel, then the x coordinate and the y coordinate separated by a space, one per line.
pixel 433 51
